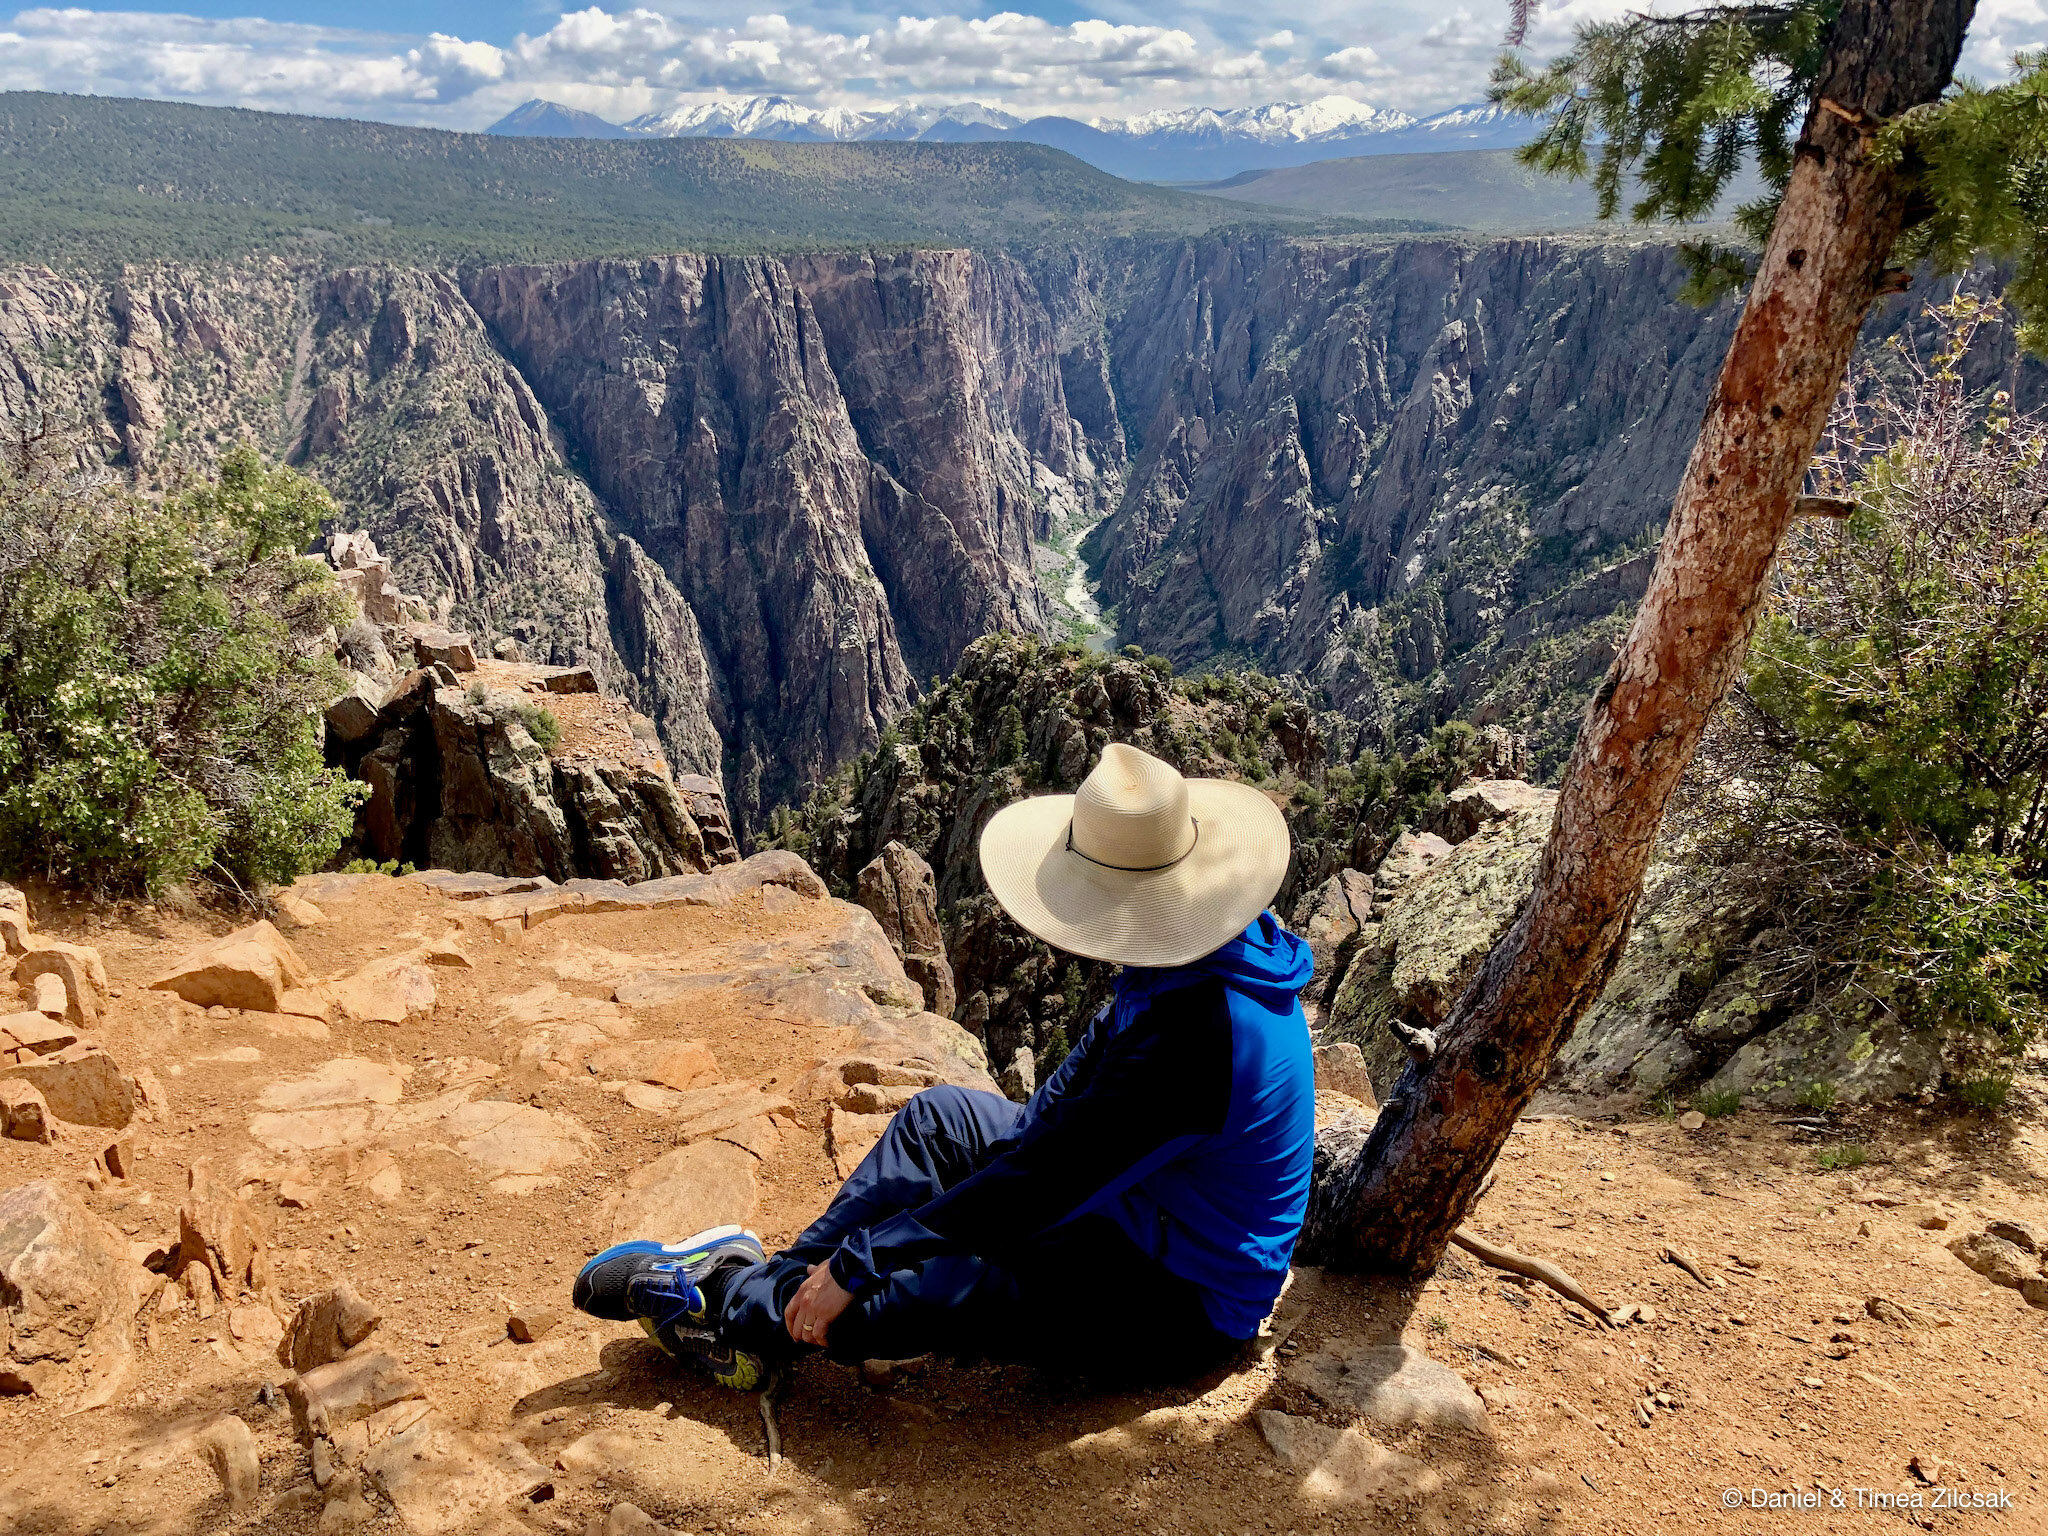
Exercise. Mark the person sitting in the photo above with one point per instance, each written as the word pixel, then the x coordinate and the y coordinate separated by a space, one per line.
pixel 1136 1217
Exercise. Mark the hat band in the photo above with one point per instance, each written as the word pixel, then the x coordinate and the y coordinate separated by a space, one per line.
pixel 1136 869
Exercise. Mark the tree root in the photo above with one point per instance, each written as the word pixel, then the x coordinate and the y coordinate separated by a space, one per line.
pixel 1530 1269
pixel 771 1394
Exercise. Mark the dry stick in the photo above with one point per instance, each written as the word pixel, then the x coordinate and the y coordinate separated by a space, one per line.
pixel 1690 1265
pixel 1530 1269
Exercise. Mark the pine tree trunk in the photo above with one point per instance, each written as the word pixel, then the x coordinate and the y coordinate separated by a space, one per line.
pixel 1392 1205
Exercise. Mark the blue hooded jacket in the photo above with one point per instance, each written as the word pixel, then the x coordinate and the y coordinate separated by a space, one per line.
pixel 1186 1115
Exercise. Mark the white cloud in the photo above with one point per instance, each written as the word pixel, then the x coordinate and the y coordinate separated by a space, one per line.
pixel 1356 63
pixel 1462 30
pixel 1130 58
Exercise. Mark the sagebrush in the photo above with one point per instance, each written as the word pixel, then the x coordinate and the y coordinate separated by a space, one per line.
pixel 163 664
pixel 1880 777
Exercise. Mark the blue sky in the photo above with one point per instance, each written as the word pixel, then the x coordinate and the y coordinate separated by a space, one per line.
pixel 463 63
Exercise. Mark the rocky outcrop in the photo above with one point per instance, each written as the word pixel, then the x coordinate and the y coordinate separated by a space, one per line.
pixel 1426 942
pixel 460 781
pixel 501 766
pixel 67 1296
pixel 897 888
pixel 1020 717
pixel 1694 1002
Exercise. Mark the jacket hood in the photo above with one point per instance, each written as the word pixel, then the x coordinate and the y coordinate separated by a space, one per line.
pixel 1264 959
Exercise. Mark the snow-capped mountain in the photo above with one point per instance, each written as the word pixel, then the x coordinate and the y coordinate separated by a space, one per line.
pixel 777 117
pixel 1279 122
pixel 1191 144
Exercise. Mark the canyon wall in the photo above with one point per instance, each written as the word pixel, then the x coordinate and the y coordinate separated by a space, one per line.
pixel 763 499
pixel 766 499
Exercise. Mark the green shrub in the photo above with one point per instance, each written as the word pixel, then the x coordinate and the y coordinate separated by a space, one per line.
pixel 1881 774
pixel 541 725
pixel 162 672
pixel 1716 1102
pixel 1847 1154
pixel 1818 1096
pixel 1988 1091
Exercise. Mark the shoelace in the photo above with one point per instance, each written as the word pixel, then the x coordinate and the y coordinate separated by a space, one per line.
pixel 646 1295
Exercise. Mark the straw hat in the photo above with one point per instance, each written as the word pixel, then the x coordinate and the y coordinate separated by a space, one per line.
pixel 1142 866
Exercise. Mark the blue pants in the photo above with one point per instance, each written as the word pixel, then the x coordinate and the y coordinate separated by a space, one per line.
pixel 1083 1297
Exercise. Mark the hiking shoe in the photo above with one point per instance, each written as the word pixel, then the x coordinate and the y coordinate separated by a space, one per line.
pixel 667 1288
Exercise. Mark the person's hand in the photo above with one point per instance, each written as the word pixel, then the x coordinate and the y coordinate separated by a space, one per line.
pixel 817 1302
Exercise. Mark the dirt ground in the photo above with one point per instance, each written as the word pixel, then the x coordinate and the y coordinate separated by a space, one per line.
pixel 1773 1379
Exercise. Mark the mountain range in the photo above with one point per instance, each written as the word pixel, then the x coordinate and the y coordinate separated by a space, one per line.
pixel 1191 144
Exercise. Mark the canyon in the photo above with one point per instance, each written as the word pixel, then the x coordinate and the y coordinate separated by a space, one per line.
pixel 766 498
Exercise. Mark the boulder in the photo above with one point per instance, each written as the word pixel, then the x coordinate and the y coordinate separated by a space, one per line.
pixel 2027 1236
pixel 1475 805
pixel 705 802
pixel 61 1275
pixel 393 990
pixel 1340 1068
pixel 81 1084
pixel 570 680
pixel 711 1111
pixel 230 1450
pixel 448 648
pixel 1853 1046
pixel 47 995
pixel 24 1115
pixel 441 1478
pixel 850 1135
pixel 1413 854
pixel 1328 919
pixel 678 1064
pixel 34 1034
pixel 898 888
pixel 1430 935
pixel 76 968
pixel 354 715
pixel 2000 1262
pixel 329 1398
pixel 326 1327
pixel 251 968
pixel 705 1184
pixel 222 1232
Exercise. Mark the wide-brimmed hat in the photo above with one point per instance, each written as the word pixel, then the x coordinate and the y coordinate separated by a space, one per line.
pixel 1141 866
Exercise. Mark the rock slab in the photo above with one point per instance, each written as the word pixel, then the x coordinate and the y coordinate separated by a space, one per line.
pixel 1391 1384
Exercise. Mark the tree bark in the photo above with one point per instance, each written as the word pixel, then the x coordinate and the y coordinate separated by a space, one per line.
pixel 1393 1205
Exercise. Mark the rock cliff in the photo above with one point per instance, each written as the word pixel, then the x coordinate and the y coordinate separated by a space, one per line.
pixel 766 498
pixel 1427 474
pixel 760 498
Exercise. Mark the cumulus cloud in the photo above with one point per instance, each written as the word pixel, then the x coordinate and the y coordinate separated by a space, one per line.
pixel 1129 58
